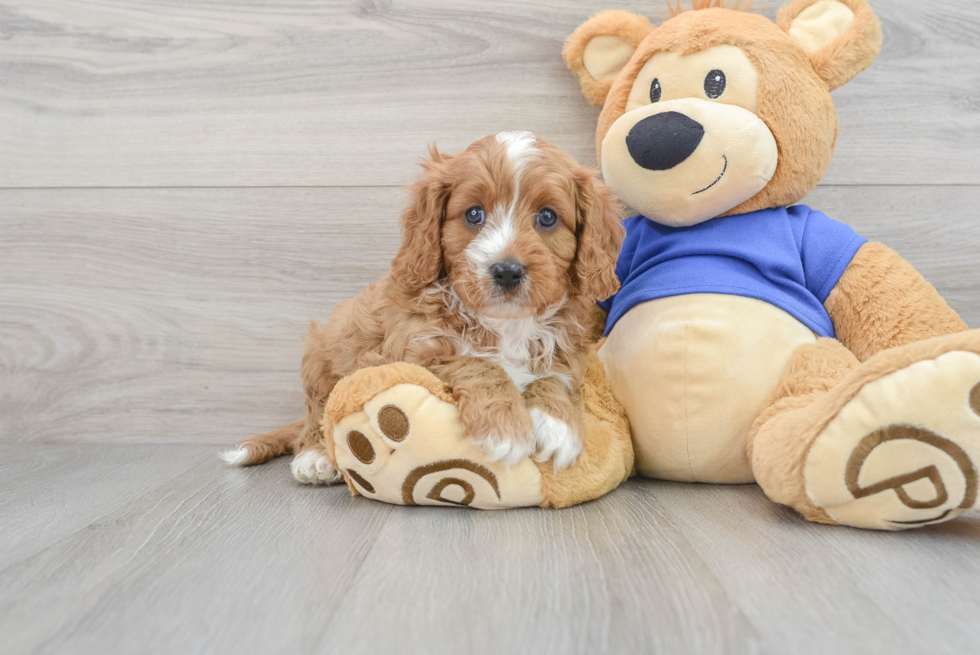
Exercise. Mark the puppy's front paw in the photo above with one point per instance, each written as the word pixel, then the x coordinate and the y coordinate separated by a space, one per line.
pixel 504 432
pixel 313 467
pixel 504 447
pixel 555 440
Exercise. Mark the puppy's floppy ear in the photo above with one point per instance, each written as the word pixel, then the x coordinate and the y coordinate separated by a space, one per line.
pixel 419 259
pixel 600 47
pixel 842 37
pixel 600 236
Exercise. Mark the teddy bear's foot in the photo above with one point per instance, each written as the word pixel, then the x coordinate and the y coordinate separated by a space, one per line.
pixel 398 439
pixel 904 451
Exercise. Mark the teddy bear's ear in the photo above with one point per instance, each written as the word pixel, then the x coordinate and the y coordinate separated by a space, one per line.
pixel 600 47
pixel 842 37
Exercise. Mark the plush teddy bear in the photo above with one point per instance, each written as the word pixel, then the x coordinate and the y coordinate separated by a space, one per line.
pixel 751 339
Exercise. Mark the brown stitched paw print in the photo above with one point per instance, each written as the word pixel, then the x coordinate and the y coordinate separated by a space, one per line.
pixel 407 446
pixel 905 450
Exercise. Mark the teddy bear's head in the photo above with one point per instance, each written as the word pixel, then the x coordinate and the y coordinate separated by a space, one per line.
pixel 719 111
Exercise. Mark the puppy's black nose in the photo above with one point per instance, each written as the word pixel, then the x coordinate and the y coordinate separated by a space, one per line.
pixel 507 274
pixel 662 141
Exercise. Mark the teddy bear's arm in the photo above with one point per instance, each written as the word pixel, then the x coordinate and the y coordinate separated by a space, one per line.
pixel 881 302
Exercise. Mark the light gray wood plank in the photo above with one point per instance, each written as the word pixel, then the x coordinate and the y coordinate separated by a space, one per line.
pixel 224 561
pixel 175 314
pixel 49 491
pixel 809 588
pixel 219 560
pixel 306 92
pixel 612 576
pixel 178 312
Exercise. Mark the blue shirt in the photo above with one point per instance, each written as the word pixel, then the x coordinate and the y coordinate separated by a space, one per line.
pixel 790 257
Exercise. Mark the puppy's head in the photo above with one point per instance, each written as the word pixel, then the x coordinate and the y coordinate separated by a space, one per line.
pixel 514 225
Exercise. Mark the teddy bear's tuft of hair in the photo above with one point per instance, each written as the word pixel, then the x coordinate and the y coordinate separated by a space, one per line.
pixel 737 5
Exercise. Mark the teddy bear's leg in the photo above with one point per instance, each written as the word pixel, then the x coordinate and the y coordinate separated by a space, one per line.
pixel 779 441
pixel 394 434
pixel 890 443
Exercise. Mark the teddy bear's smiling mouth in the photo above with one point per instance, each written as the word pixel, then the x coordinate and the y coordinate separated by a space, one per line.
pixel 723 170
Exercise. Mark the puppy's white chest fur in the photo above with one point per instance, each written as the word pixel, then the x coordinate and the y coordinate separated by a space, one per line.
pixel 517 337
pixel 525 347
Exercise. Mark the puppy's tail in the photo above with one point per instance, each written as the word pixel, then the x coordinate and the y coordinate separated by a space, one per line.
pixel 263 447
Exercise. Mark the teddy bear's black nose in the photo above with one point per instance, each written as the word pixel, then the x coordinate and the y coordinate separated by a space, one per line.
pixel 662 141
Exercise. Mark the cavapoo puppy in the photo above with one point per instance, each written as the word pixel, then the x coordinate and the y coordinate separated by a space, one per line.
pixel 506 246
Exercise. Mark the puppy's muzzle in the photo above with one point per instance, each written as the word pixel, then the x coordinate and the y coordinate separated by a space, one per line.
pixel 662 141
pixel 508 274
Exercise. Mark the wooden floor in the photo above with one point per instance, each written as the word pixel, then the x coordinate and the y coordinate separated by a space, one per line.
pixel 185 184
pixel 161 549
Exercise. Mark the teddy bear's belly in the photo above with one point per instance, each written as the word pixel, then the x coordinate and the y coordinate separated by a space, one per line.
pixel 693 372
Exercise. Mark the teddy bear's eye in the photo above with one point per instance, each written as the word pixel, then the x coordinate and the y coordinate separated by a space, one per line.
pixel 655 91
pixel 714 84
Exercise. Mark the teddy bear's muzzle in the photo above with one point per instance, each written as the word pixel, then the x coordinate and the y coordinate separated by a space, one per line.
pixel 680 162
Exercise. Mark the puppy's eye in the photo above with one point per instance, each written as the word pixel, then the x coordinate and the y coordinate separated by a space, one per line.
pixel 655 91
pixel 714 84
pixel 474 216
pixel 546 218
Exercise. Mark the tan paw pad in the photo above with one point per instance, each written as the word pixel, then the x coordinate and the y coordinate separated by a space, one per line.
pixel 407 447
pixel 904 451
